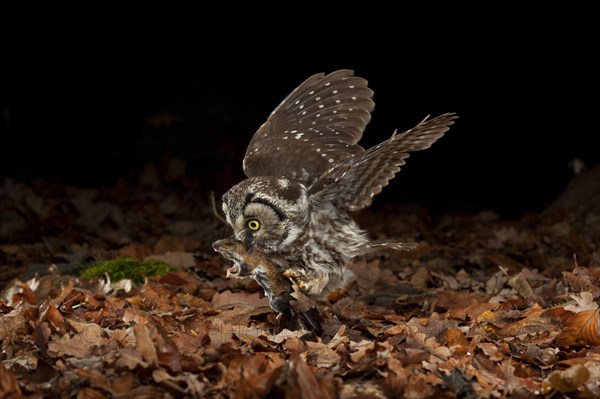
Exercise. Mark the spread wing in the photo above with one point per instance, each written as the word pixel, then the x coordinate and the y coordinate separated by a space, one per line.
pixel 317 124
pixel 352 183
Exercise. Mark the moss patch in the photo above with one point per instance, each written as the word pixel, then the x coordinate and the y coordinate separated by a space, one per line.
pixel 127 268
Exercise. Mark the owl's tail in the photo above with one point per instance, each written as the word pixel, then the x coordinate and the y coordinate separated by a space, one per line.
pixel 390 244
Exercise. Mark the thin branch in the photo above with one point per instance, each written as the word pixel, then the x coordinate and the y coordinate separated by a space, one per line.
pixel 213 206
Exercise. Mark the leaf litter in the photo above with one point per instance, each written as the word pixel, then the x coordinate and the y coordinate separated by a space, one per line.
pixel 485 307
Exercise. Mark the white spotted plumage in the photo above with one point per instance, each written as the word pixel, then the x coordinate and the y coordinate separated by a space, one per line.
pixel 301 191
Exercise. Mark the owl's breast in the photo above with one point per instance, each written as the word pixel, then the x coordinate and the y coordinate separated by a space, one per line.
pixel 332 237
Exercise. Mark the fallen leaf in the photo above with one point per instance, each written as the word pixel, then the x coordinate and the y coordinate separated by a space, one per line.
pixel 9 387
pixel 89 393
pixel 303 384
pixel 321 355
pixel 144 344
pixel 129 359
pixel 181 384
pixel 79 345
pixel 581 329
pixel 536 322
pixel 491 351
pixel 227 298
pixel 301 303
pixel 520 284
pixel 12 326
pixel 583 301
pixel 569 380
pixel 581 280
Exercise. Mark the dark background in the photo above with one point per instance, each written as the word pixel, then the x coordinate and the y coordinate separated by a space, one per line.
pixel 87 114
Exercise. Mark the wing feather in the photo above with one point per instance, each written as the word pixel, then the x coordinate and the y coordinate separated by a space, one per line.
pixel 353 182
pixel 318 123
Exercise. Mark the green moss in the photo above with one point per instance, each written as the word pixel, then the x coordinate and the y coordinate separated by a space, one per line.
pixel 127 268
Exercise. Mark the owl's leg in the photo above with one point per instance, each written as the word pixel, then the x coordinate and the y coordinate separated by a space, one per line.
pixel 298 277
pixel 310 282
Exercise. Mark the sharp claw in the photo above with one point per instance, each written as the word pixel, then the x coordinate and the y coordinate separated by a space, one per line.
pixel 289 273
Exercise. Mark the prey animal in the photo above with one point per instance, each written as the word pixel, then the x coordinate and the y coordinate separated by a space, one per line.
pixel 306 174
pixel 256 264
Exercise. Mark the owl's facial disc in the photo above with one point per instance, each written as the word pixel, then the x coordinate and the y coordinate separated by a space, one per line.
pixel 261 223
pixel 267 213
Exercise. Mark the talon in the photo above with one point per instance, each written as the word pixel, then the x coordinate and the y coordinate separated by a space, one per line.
pixel 301 284
pixel 291 274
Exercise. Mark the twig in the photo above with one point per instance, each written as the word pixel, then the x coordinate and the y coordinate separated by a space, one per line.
pixel 213 206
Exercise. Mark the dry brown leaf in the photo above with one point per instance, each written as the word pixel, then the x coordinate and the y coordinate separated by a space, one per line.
pixel 340 337
pixel 129 359
pixel 397 377
pixel 491 351
pixel 303 384
pixel 520 284
pixel 77 346
pixel 133 315
pixel 407 383
pixel 301 303
pixel 228 298
pixel 250 376
pixel 583 301
pixel 321 356
pixel 122 384
pixel 421 278
pixel 364 388
pixel 568 380
pixel 26 295
pixel 144 344
pixel 80 345
pixel 361 349
pixel 125 337
pixel 463 303
pixel 581 329
pixel 456 342
pixel 180 384
pixel 94 378
pixel 154 295
pixel 9 387
pixel 12 326
pixel 434 326
pixel 546 321
pixel 89 393
pixel 284 335
pixel 581 280
pixel 495 283
pixel 295 345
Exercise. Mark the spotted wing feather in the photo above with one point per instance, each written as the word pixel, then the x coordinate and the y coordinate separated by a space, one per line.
pixel 352 183
pixel 317 124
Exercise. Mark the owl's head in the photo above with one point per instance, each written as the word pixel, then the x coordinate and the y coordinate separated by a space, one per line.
pixel 268 213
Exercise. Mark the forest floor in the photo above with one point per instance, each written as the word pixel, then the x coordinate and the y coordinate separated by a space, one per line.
pixel 485 307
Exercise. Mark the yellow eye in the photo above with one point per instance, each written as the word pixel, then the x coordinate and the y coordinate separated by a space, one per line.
pixel 253 224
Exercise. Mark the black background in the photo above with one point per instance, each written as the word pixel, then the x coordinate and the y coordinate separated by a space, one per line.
pixel 77 111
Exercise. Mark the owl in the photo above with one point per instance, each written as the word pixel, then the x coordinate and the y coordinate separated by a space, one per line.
pixel 306 175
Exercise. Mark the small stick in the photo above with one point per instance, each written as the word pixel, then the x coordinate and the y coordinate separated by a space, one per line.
pixel 213 206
